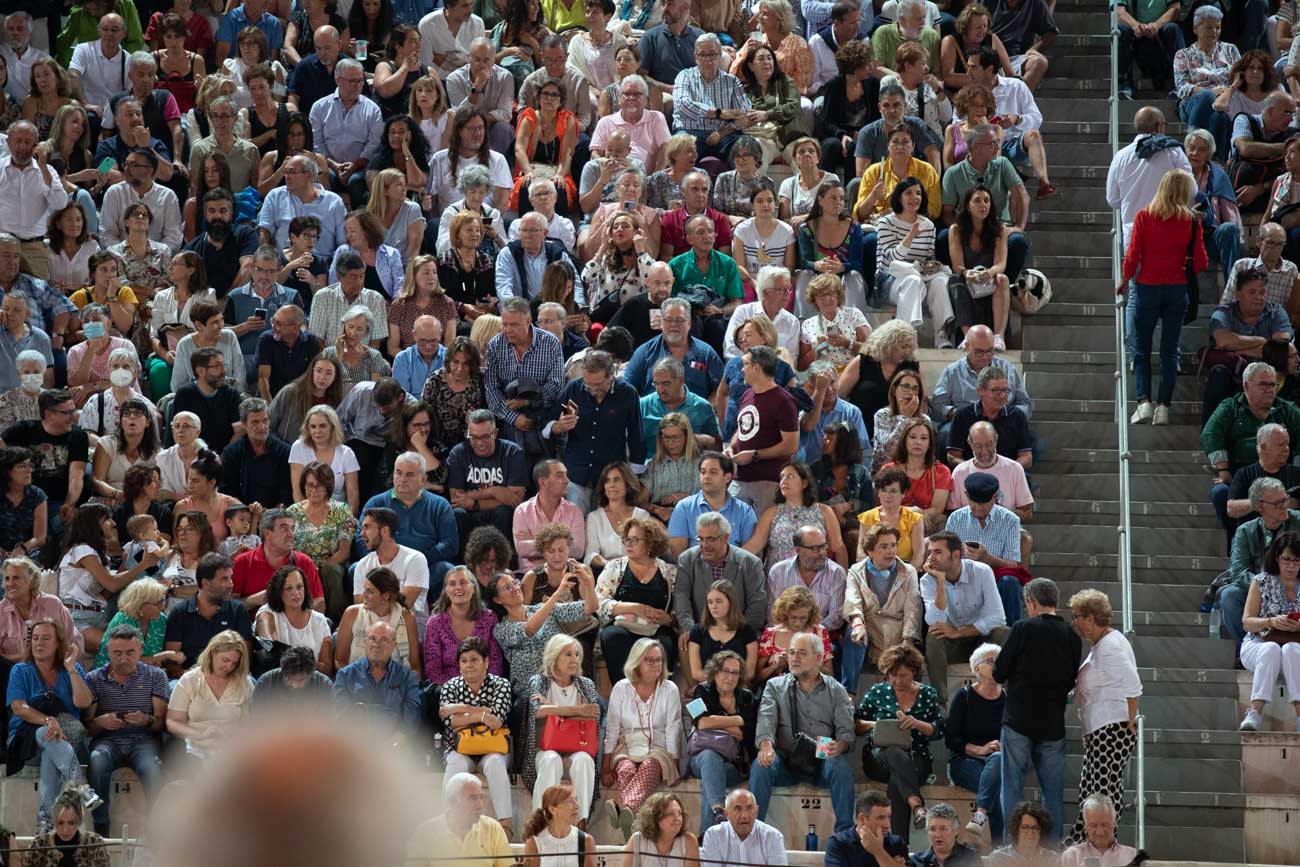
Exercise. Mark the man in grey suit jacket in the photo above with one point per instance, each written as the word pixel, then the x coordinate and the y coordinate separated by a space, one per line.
pixel 696 573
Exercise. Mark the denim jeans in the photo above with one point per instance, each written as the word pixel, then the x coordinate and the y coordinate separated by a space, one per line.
pixel 1012 595
pixel 59 766
pixel 1232 599
pixel 1162 304
pixel 106 757
pixel 717 776
pixel 852 657
pixel 1227 241
pixel 983 776
pixel 835 774
pixel 1048 758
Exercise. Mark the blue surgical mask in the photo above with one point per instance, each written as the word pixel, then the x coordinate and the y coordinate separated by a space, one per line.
pixel 93 330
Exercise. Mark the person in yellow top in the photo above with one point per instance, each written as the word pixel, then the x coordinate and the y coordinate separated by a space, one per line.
pixel 561 15
pixel 461 832
pixel 880 179
pixel 891 484
pixel 105 289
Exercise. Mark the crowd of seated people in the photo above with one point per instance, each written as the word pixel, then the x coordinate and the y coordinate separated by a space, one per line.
pixel 434 360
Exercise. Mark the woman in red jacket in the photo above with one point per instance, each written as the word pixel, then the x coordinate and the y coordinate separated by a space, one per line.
pixel 1156 263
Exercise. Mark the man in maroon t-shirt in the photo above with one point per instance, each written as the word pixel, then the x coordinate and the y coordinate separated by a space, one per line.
pixel 767 431
pixel 254 569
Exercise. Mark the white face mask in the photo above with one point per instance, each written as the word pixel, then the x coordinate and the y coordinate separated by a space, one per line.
pixel 121 377
pixel 31 382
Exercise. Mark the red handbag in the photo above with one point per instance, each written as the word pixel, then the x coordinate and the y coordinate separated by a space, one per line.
pixel 567 735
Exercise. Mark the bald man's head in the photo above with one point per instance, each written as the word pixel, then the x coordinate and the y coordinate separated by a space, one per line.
pixel 1149 119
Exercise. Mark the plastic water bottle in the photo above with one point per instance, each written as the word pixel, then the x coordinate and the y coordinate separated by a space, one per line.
pixel 810 843
pixel 1216 619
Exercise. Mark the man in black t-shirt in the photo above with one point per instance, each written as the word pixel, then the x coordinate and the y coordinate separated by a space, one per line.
pixel 992 404
pixel 640 314
pixel 226 247
pixel 59 450
pixel 486 476
pixel 1233 506
pixel 215 403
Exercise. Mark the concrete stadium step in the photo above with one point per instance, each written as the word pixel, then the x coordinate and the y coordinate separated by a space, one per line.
pixel 1169 540
pixel 1095 86
pixel 1106 513
pixel 1091 197
pixel 1076 66
pixel 1098 386
pixel 1081 220
pixel 1140 462
pixel 1104 433
pixel 1058 266
pixel 1102 483
pixel 1065 241
pixel 1158 597
pixel 1095 107
pixel 1191 571
pixel 1156 650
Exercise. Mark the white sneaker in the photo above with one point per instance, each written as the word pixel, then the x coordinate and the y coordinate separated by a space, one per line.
pixel 1143 413
pixel 1250 722
pixel 90 799
pixel 1161 416
pixel 977 835
pixel 999 345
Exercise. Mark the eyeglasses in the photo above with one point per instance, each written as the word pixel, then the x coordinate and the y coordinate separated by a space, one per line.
pixel 629 540
pixel 265 270
pixel 999 390
pixel 1273 503
pixel 420 425
pixel 1288 560
pixel 222 116
pixel 350 80
pixel 816 549
pixel 550 94
pixel 476 438
pixel 800 653
pixel 1267 384
pixel 300 172
pixel 63 411
pixel 708 55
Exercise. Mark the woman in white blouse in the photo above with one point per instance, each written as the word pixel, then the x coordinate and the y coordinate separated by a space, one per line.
pixel 1106 695
pixel 617 493
pixel 287 617
pixel 906 262
pixel 212 696
pixel 643 732
pixel 174 461
pixel 321 440
pixel 71 247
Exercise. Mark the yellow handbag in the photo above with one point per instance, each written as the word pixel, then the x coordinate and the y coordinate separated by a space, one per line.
pixel 479 740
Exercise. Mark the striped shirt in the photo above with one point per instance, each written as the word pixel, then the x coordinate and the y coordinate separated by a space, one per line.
pixel 542 362
pixel 999 534
pixel 694 98
pixel 136 694
pixel 889 243
pixel 1278 284
pixel 667 476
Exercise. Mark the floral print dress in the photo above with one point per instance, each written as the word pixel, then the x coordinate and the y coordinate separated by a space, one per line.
pixel 321 543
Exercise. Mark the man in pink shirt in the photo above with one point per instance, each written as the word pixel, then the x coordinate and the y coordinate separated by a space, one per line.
pixel 647 129
pixel 548 507
pixel 1013 489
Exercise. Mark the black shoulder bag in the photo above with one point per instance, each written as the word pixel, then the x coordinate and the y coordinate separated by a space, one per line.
pixel 801 760
pixel 1189 271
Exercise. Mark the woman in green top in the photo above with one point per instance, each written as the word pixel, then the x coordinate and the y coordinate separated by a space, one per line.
pixel 323 532
pixel 83 26
pixel 141 606
pixel 775 95
pixel 915 706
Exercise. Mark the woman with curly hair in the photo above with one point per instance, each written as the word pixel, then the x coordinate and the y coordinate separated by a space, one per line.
pixel 1027 828
pixel 865 380
pixel 50 91
pixel 402 147
pixel 902 697
pixel 487 553
pixel 850 101
pixel 794 611
pixel 1250 81
pixel 453 392
pixel 661 831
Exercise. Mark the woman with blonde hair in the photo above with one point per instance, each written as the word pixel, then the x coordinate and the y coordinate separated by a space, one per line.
pixel 141 605
pixel 560 690
pixel 1158 246
pixel 674 472
pixel 196 119
pixel 663 189
pixel 485 327
pixel 643 733
pixel 421 295
pixel 775 22
pixel 865 379
pixel 321 439
pixel 212 695
pixel 552 837
pixel 794 611
pixel 661 833
pixel 402 219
